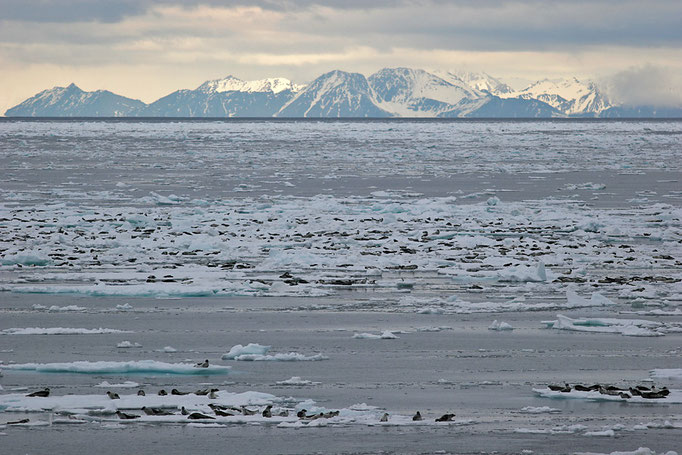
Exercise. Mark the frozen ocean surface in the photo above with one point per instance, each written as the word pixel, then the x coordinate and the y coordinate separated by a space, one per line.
pixel 348 268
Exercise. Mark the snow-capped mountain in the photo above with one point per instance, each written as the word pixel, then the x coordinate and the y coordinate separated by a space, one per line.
pixel 226 97
pixel 71 101
pixel 233 84
pixel 199 103
pixel 407 92
pixel 335 94
pixel 480 81
pixel 570 96
pixel 391 92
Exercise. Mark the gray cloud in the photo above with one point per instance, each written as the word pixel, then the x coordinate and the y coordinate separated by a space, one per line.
pixel 482 25
pixel 646 85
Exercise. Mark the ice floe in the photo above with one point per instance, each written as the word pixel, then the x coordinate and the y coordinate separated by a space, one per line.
pixel 250 349
pixel 219 408
pixel 628 327
pixel 501 325
pixel 282 357
pixel 56 308
pixel 675 396
pixel 59 331
pixel 297 381
pixel 255 352
pixel 538 410
pixel 640 451
pixel 148 367
pixel 128 344
pixel 385 335
pixel 325 245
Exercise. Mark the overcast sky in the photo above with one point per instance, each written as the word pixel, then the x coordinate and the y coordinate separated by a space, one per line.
pixel 147 48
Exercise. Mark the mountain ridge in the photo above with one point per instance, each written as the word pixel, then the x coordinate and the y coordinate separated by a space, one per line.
pixel 390 92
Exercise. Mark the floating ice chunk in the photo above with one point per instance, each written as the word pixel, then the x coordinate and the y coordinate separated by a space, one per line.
pixel 288 357
pixel 168 349
pixel 362 407
pixel 430 310
pixel 163 200
pixel 385 335
pixel 524 273
pixel 604 433
pixel 56 308
pixel 531 430
pixel 149 367
pixel 628 327
pixel 667 373
pixel 124 307
pixel 36 258
pixel 492 201
pixel 249 349
pixel 573 300
pixel 123 385
pixel 640 451
pixel 296 381
pixel 584 186
pixel 675 397
pixel 128 344
pixel 539 410
pixel 500 326
pixel 59 331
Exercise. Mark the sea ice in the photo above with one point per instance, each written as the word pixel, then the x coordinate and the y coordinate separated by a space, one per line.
pixel 249 349
pixel 297 381
pixel 385 335
pixel 128 344
pixel 675 397
pixel 59 331
pixel 539 410
pixel 285 357
pixel 500 326
pixel 123 385
pixel 640 451
pixel 149 367
pixel 628 327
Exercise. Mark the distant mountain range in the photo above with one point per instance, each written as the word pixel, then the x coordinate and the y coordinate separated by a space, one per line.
pixel 391 92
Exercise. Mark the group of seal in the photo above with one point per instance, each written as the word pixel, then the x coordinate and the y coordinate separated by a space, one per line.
pixel 417 417
pixel 303 415
pixel 229 411
pixel 637 391
pixel 218 410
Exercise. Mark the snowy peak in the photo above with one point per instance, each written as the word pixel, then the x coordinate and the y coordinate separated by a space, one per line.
pixel 570 96
pixel 568 89
pixel 479 81
pixel 71 101
pixel 335 94
pixel 415 92
pixel 233 84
